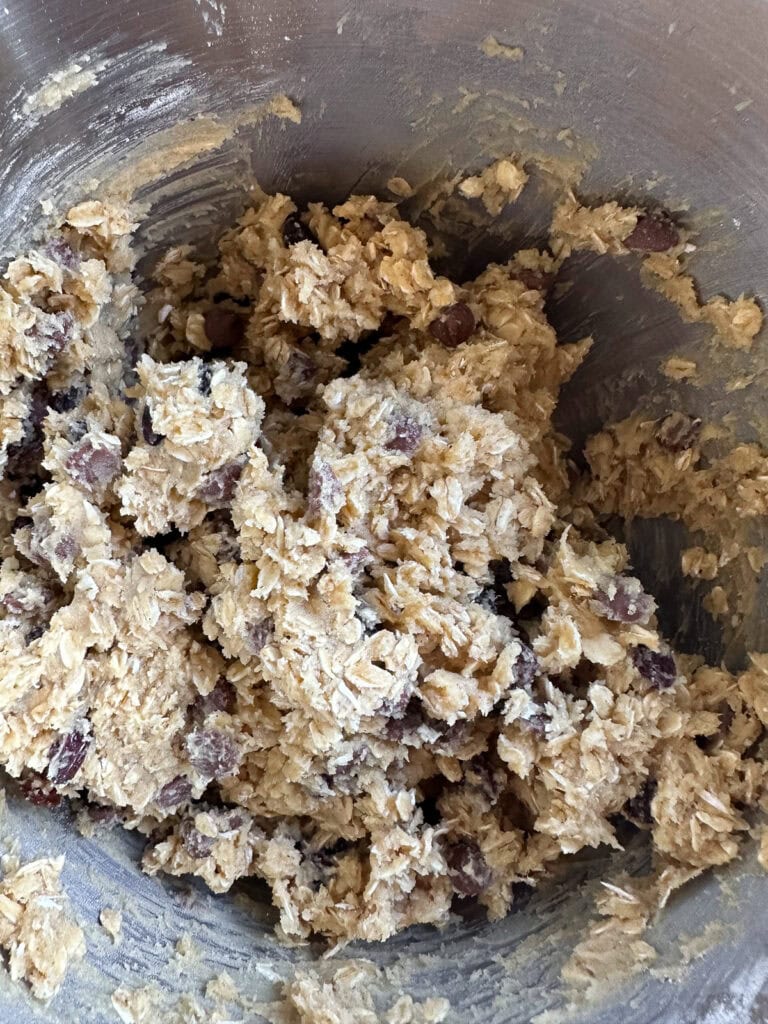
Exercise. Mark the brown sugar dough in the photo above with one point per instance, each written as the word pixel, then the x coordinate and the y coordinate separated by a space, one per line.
pixel 297 584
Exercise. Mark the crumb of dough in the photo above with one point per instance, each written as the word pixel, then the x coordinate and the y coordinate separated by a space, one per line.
pixel 136 1006
pixel 186 947
pixel 303 534
pixel 58 87
pixel 763 853
pixel 499 184
pixel 111 920
pixel 491 47
pixel 345 998
pixel 400 187
pixel 222 988
pixel 735 323
pixel 699 563
pixel 677 368
pixel 37 929
pixel 716 602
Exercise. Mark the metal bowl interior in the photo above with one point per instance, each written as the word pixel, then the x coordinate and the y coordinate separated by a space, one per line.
pixel 664 101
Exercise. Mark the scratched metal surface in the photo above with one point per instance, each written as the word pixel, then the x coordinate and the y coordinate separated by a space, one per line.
pixel 674 98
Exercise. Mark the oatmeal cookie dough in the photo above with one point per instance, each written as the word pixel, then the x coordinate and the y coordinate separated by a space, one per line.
pixel 295 580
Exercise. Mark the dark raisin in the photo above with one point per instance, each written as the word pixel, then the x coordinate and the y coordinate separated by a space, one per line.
pixel 406 436
pixel 55 329
pixel 678 432
pixel 194 841
pixel 467 867
pixel 177 791
pixel 324 492
pixel 93 464
pixel 223 697
pixel 66 549
pixel 67 754
pixel 260 634
pixel 147 430
pixel 223 328
pixel 212 752
pixel 406 722
pixel 101 814
pixel 658 667
pixel 38 790
pixel 654 232
pixel 453 326
pixel 204 378
pixel 638 807
pixel 295 230
pixel 218 487
pixel 622 599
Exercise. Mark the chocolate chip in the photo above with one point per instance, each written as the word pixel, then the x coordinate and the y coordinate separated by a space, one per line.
pixel 534 280
pixel 526 666
pixel 177 791
pixel 406 436
pixel 324 492
pixel 212 752
pixel 654 232
pixel 638 807
pixel 453 325
pixel 218 487
pixel 223 697
pixel 678 432
pixel 658 667
pixel 622 599
pixel 38 790
pixel 259 635
pixel 295 231
pixel 467 867
pixel 147 429
pixel 67 754
pixel 204 378
pixel 223 328
pixel 60 251
pixel 92 464
pixel 194 841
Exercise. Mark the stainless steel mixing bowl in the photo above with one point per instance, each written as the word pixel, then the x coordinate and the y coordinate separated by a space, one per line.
pixel 670 99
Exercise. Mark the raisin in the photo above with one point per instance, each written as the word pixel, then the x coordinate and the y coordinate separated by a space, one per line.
pixel 678 432
pixel 177 791
pixel 658 667
pixel 35 633
pixel 92 464
pixel 638 807
pixel 654 232
pixel 295 231
pixel 324 492
pixel 212 752
pixel 100 814
pixel 38 790
pixel 67 754
pixel 467 867
pixel 406 722
pixel 453 325
pixel 147 429
pixel 622 599
pixel 406 435
pixel 223 697
pixel 537 723
pixel 482 773
pixel 194 841
pixel 55 329
pixel 223 329
pixel 218 488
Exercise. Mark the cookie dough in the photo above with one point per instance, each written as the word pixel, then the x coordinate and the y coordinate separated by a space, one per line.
pixel 295 580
